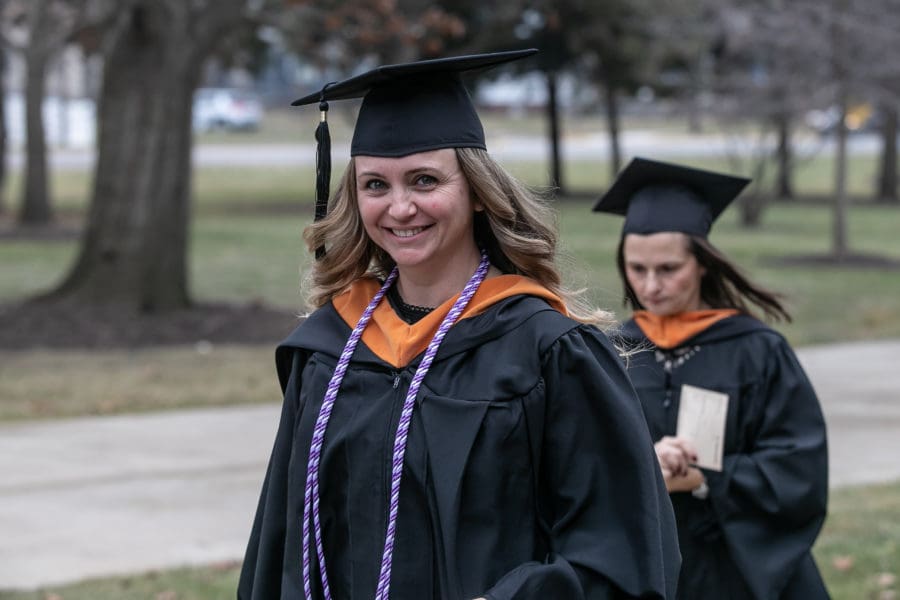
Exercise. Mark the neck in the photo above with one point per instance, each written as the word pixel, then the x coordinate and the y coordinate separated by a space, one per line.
pixel 431 287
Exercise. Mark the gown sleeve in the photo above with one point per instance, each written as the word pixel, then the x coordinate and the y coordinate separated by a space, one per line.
pixel 771 501
pixel 608 517
pixel 261 572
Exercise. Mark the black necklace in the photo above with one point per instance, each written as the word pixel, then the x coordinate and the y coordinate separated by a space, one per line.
pixel 410 313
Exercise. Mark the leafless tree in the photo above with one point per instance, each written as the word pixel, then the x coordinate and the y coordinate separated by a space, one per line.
pixel 881 21
pixel 777 59
pixel 134 251
pixel 864 66
pixel 4 142
pixel 888 176
pixel 39 30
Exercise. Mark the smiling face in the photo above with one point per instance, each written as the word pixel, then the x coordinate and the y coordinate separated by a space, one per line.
pixel 663 273
pixel 418 208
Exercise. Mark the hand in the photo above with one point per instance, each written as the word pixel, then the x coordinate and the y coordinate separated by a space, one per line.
pixel 690 481
pixel 675 455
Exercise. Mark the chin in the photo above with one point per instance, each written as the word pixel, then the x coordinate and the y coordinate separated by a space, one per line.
pixel 662 310
pixel 402 259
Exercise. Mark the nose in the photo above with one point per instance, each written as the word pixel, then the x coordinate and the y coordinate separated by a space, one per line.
pixel 652 282
pixel 402 204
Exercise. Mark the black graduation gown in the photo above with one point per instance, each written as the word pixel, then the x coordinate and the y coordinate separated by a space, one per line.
pixel 529 471
pixel 751 537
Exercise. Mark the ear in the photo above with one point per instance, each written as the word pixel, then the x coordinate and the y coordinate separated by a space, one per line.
pixel 477 205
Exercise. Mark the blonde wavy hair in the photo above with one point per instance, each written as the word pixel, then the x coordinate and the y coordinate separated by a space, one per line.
pixel 517 228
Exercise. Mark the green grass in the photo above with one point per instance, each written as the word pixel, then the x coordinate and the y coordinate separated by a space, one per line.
pixel 858 553
pixel 258 253
pixel 249 257
pixel 31 266
pixel 207 583
pixel 231 258
pixel 859 549
pixel 54 384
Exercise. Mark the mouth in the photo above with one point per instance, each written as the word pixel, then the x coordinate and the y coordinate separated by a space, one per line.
pixel 407 233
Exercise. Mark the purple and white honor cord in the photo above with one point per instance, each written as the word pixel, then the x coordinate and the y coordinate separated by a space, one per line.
pixel 311 491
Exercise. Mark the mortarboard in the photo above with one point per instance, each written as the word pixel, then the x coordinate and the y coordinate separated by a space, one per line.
pixel 406 108
pixel 656 196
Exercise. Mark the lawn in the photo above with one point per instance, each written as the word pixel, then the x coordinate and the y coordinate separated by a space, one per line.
pixel 246 246
pixel 858 553
pixel 216 582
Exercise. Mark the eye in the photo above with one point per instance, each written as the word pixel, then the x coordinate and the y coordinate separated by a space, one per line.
pixel 374 185
pixel 425 180
pixel 668 268
pixel 636 269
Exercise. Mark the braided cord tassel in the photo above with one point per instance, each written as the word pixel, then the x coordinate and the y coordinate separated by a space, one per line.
pixel 311 491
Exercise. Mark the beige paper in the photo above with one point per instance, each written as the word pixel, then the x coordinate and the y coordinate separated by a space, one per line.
pixel 701 419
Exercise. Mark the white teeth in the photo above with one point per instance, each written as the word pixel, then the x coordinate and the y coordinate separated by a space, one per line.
pixel 406 232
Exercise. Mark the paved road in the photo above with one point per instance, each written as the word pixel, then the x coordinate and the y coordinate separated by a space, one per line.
pixel 635 142
pixel 100 496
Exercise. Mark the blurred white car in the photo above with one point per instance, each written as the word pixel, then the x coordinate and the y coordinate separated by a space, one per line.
pixel 226 109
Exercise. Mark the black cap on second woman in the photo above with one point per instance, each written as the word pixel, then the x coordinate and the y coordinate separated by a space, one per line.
pixel 657 196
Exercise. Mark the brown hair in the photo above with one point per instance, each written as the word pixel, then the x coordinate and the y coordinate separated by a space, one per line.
pixel 722 286
pixel 517 228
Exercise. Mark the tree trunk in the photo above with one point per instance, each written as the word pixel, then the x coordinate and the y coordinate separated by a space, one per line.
pixel 134 251
pixel 700 68
pixel 612 120
pixel 553 116
pixel 752 202
pixel 784 187
pixel 839 225
pixel 35 208
pixel 887 177
pixel 3 135
pixel 133 254
pixel 751 207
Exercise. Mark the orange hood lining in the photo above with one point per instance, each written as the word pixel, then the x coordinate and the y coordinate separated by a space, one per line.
pixel 397 342
pixel 671 331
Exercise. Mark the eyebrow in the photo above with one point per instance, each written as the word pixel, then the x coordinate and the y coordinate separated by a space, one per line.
pixel 665 263
pixel 413 171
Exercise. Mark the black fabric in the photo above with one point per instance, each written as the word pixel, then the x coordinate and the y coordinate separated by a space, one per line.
pixel 529 471
pixel 656 196
pixel 752 537
pixel 410 313
pixel 426 114
pixel 414 107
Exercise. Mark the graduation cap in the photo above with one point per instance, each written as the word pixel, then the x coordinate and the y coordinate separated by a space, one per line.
pixel 406 108
pixel 656 196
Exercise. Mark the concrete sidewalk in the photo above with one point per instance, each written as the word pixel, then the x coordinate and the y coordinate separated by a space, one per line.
pixel 100 496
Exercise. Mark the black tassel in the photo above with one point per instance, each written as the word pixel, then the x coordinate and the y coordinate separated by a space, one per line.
pixel 323 168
